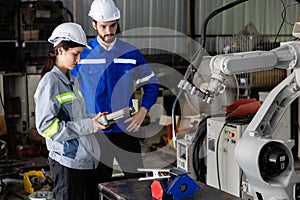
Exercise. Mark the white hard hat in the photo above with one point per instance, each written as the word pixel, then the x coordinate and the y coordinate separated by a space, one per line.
pixel 104 11
pixel 68 31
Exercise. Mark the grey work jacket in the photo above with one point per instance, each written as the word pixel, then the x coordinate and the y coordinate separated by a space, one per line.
pixel 61 118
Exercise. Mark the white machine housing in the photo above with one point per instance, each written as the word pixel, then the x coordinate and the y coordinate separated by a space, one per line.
pixel 185 154
pixel 223 137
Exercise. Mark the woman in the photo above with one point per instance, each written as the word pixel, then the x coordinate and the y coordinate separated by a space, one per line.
pixel 61 118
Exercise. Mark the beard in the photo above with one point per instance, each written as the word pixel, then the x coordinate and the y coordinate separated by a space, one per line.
pixel 110 40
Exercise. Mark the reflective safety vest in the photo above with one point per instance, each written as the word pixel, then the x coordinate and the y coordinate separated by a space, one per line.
pixel 108 79
pixel 61 118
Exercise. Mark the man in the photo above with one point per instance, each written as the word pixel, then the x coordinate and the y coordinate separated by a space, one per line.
pixel 106 74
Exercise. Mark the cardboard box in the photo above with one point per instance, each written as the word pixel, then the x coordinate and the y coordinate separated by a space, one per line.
pixel 3 129
pixel 31 35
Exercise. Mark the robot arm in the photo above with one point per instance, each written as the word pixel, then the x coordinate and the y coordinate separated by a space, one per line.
pixel 267 163
pixel 285 57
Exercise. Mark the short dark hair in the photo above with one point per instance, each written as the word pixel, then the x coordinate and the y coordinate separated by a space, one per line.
pixel 118 26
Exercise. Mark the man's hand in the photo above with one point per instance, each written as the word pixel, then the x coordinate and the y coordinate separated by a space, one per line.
pixel 136 120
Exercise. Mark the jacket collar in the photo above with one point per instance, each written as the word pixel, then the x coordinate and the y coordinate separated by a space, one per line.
pixel 95 44
pixel 111 45
pixel 62 76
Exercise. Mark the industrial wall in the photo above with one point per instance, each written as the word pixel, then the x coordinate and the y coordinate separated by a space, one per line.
pixel 266 15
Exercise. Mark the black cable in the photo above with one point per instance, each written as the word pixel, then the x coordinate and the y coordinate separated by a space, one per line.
pixel 241 181
pixel 217 156
pixel 2 103
pixel 291 4
pixel 70 14
pixel 197 57
pixel 283 15
pixel 198 161
pixel 240 119
pixel 214 13
pixel 199 165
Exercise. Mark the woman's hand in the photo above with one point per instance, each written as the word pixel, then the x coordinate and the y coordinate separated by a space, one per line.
pixel 96 125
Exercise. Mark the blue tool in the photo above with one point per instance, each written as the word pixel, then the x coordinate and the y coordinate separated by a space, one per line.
pixel 177 184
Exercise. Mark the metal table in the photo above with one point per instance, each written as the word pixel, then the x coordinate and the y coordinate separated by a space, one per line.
pixel 132 189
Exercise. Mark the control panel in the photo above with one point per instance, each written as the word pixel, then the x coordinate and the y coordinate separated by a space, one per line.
pixel 223 171
pixel 184 154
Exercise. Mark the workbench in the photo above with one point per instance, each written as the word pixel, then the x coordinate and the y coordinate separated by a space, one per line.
pixel 132 189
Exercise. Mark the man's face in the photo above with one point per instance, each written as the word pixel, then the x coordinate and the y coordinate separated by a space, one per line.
pixel 106 30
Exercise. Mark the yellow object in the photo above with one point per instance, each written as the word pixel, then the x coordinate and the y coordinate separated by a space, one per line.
pixel 3 129
pixel 28 186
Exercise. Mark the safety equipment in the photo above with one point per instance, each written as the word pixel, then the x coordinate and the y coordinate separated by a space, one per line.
pixel 68 32
pixel 104 11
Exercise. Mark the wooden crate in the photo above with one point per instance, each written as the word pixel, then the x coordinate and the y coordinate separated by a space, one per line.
pixel 267 78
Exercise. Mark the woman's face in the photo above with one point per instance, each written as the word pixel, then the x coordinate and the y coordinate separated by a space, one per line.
pixel 68 59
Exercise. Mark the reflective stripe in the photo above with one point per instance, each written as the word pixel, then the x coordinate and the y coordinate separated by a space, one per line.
pixel 66 97
pixel 53 128
pixel 103 61
pixel 145 79
pixel 80 94
pixel 92 61
pixel 125 61
pixel 36 94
